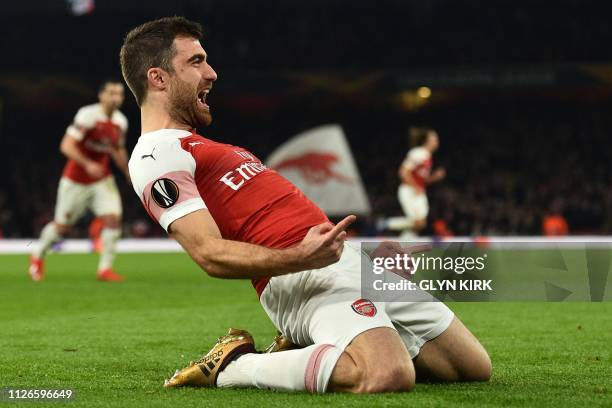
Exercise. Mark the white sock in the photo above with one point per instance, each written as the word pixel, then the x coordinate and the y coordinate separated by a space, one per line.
pixel 109 238
pixel 308 369
pixel 48 236
pixel 399 223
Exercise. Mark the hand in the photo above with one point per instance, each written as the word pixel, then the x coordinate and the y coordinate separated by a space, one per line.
pixel 323 244
pixel 94 169
pixel 438 174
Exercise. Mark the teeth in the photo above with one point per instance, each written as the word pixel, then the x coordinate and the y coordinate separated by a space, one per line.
pixel 202 95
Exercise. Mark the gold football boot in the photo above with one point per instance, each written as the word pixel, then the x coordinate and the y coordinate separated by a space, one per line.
pixel 281 343
pixel 204 372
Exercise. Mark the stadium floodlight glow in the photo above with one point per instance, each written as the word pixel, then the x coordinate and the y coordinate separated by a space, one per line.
pixel 424 92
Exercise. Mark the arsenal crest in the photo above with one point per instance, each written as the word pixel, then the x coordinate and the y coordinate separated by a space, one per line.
pixel 364 307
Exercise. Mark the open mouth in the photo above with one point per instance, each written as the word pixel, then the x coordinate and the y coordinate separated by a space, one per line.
pixel 202 98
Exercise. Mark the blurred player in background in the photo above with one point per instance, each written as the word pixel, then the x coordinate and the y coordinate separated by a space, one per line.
pixel 96 135
pixel 415 175
pixel 239 219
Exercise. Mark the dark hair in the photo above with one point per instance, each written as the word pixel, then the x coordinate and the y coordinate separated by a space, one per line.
pixel 152 45
pixel 418 134
pixel 111 80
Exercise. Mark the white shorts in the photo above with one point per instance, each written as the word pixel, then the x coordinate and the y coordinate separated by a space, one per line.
pixel 322 306
pixel 413 202
pixel 73 199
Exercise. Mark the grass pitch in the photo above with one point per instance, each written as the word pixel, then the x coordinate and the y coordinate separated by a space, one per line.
pixel 115 343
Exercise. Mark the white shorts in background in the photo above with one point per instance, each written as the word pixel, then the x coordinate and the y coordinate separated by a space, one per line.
pixel 324 306
pixel 73 199
pixel 413 202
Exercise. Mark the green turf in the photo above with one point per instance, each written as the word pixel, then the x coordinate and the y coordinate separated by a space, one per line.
pixel 115 343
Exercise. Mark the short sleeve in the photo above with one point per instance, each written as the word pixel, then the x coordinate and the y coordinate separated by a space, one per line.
pixel 414 158
pixel 162 175
pixel 172 196
pixel 83 121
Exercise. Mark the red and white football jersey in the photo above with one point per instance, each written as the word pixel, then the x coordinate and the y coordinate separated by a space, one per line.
pixel 97 135
pixel 176 172
pixel 419 162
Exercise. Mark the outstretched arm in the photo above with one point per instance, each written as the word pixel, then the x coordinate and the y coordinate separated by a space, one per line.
pixel 200 237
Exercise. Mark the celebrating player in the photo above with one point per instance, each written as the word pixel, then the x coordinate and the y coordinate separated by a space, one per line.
pixel 239 219
pixel 415 174
pixel 96 134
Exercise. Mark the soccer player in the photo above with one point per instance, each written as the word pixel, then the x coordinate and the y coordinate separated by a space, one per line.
pixel 415 175
pixel 96 135
pixel 239 219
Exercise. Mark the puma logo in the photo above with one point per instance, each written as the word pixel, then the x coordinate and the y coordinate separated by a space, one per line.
pixel 144 156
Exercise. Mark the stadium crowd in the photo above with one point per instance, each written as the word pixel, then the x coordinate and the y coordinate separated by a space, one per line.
pixel 511 161
pixel 509 165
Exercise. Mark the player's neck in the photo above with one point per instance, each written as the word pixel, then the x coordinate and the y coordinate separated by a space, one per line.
pixel 152 119
pixel 107 111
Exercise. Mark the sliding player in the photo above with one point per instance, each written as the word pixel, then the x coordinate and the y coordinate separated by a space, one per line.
pixel 238 219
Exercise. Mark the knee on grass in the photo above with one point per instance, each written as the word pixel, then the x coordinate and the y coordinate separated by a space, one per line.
pixel 480 369
pixel 477 368
pixel 361 378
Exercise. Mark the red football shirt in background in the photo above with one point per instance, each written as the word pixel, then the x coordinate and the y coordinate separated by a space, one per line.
pixel 97 134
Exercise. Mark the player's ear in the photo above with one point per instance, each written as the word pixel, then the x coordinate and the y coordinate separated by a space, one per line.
pixel 157 78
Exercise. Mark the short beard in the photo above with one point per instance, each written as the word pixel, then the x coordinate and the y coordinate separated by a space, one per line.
pixel 182 105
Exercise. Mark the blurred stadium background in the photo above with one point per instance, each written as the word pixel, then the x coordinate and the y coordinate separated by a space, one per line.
pixel 519 92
